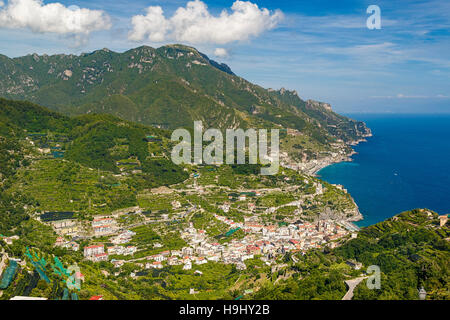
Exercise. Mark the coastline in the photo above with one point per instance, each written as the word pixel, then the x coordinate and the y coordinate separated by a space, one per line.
pixel 342 152
pixel 314 166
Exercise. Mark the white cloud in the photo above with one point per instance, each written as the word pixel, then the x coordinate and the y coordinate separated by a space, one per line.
pixel 195 24
pixel 221 53
pixel 153 25
pixel 52 18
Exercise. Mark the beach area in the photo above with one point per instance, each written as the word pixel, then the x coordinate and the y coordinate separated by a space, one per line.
pixel 314 166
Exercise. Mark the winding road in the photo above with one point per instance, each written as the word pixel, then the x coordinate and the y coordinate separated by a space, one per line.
pixel 352 284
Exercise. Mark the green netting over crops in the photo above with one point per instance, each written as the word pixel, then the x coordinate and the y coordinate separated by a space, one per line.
pixel 8 274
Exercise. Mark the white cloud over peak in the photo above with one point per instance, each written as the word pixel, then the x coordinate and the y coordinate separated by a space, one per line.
pixel 221 53
pixel 195 24
pixel 52 18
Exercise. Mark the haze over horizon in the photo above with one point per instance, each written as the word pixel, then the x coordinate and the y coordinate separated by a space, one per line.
pixel 323 50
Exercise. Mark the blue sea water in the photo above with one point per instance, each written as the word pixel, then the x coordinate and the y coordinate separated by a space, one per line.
pixel 405 165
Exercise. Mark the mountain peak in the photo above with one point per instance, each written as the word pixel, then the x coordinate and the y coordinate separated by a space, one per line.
pixel 283 91
pixel 181 47
pixel 317 104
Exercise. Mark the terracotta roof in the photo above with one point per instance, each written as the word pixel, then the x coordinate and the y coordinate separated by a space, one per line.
pixel 94 246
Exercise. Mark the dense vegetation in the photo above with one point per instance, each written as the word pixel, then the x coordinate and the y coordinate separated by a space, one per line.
pixel 95 141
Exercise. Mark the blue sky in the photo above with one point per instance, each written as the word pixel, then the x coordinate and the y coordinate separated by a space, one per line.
pixel 322 49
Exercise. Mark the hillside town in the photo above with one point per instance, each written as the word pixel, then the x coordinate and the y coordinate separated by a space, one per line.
pixel 264 241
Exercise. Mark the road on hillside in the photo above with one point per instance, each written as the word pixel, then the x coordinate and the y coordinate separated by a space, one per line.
pixel 352 284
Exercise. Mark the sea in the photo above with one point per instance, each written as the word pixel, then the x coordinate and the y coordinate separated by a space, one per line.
pixel 405 165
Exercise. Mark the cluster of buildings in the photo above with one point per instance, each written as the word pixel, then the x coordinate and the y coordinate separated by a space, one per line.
pixel 104 226
pixel 123 237
pixel 63 243
pixel 184 257
pixel 9 240
pixel 122 250
pixel 264 241
pixel 66 227
pixel 95 253
pixel 100 226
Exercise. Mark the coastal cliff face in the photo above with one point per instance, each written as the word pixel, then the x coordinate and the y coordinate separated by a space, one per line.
pixel 348 215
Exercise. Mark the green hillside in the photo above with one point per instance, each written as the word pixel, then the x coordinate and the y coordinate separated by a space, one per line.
pixel 96 141
pixel 168 87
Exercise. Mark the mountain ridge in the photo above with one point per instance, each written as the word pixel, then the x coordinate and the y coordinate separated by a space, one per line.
pixel 170 87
